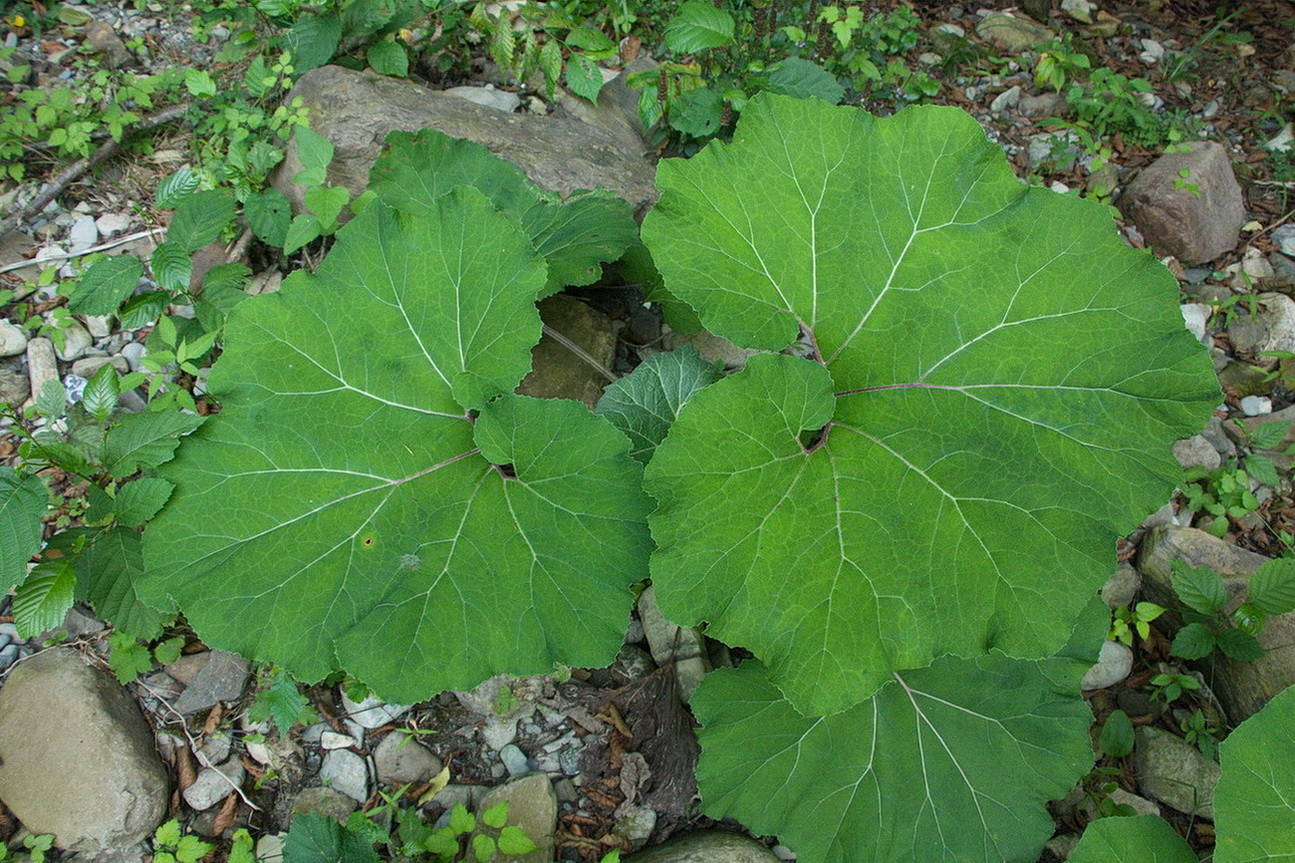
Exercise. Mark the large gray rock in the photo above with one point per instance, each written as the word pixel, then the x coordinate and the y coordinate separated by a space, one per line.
pixel 356 110
pixel 1173 771
pixel 558 371
pixel 1175 221
pixel 1268 325
pixel 533 807
pixel 707 846
pixel 684 647
pixel 1011 33
pixel 76 757
pixel 1243 687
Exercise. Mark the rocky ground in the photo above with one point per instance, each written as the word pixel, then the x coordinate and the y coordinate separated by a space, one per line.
pixel 604 759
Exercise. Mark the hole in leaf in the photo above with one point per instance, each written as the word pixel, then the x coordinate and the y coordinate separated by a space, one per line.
pixel 368 541
pixel 507 471
pixel 812 439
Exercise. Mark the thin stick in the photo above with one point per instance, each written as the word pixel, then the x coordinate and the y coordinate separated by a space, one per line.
pixel 67 256
pixel 65 178
pixel 578 351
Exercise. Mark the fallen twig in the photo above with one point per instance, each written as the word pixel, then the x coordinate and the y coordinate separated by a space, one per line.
pixel 67 256
pixel 69 174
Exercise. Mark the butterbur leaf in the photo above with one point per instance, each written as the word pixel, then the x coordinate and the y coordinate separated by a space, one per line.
pixel 1272 588
pixel 937 476
pixel 804 80
pixel 1117 737
pixel 1200 588
pixel 362 506
pixel 583 77
pixel 107 283
pixel 199 219
pixel 514 841
pixel 1193 641
pixel 320 839
pixel 145 440
pixel 22 505
pixel 1238 644
pixel 41 601
pixel 1137 839
pixel 1254 801
pixel 645 403
pixel 575 237
pixel 696 26
pixel 953 762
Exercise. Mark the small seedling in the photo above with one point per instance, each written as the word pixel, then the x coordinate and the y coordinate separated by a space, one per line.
pixel 1130 620
pixel 1271 590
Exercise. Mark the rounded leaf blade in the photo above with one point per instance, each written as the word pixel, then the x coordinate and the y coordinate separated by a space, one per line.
pixel 994 401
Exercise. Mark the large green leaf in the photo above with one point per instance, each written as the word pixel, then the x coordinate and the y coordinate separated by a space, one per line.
pixel 952 762
pixel 698 25
pixel 1140 839
pixel 1254 802
pixel 22 505
pixel 347 500
pixel 575 237
pixel 991 384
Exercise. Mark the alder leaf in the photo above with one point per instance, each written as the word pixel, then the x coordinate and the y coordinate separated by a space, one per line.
pixel 698 25
pixel 1135 839
pixel 952 762
pixel 575 237
pixel 991 387
pixel 1254 801
pixel 23 499
pixel 368 496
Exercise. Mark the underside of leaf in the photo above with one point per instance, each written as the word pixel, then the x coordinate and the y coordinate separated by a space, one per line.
pixel 986 387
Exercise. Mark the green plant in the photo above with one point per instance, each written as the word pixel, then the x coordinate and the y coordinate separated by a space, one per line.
pixel 105 447
pixel 1201 733
pixel 1125 621
pixel 1209 624
pixel 1252 803
pixel 1169 687
pixel 171 846
pixel 894 574
pixel 128 658
pixel 1220 494
pixel 1183 181
pixel 1059 63
pixel 1116 738
pixel 467 837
